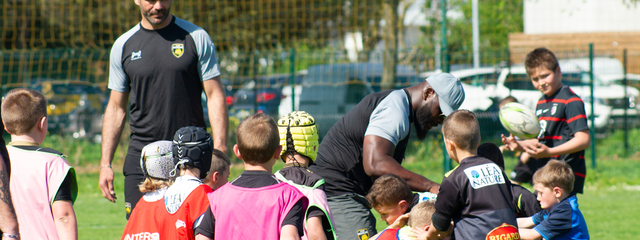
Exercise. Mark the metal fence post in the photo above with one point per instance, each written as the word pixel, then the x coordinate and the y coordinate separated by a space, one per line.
pixel 626 106
pixel 593 116
pixel 292 58
pixel 446 160
pixel 444 47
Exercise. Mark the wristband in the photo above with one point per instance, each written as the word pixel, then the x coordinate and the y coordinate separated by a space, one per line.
pixel 105 166
pixel 16 236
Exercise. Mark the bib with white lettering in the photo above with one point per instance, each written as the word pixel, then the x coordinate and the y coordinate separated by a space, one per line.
pixel 484 175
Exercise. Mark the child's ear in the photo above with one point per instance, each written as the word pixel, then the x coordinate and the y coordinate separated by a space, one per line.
pixel 403 205
pixel 5 127
pixel 214 177
pixel 450 145
pixel 557 191
pixel 426 228
pixel 42 123
pixel 276 155
pixel 236 151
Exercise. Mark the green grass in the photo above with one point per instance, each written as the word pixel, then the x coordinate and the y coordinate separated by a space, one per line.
pixel 97 217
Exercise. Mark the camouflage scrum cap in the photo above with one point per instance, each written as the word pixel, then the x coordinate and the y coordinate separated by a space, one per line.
pixel 299 133
pixel 156 160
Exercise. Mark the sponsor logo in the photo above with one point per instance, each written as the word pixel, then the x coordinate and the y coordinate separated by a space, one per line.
pixel 541 111
pixel 363 234
pixel 127 207
pixel 136 55
pixel 177 49
pixel 143 236
pixel 180 223
pixel 504 232
pixel 484 175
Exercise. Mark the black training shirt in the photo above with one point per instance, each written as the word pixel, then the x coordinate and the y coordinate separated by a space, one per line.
pixel 339 159
pixel 163 71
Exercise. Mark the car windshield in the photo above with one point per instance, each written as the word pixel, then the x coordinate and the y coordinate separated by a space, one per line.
pixel 481 80
pixel 520 81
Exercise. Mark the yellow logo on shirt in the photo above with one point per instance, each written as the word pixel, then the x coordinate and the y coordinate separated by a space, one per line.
pixel 177 49
pixel 363 234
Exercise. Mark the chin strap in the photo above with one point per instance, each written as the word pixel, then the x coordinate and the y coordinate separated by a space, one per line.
pixel 175 168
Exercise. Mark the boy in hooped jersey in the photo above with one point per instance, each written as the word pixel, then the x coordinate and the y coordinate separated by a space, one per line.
pixel 43 185
pixel 565 133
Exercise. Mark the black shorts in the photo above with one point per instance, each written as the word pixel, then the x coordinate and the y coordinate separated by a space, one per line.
pixel 133 177
pixel 523 172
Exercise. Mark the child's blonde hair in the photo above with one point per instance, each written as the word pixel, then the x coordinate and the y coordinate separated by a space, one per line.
pixel 420 215
pixel 463 129
pixel 151 184
pixel 22 109
pixel 555 174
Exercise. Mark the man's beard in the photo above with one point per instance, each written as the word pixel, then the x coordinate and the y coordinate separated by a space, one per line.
pixel 422 121
pixel 165 15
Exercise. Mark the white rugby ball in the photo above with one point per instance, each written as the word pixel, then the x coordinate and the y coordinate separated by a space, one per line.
pixel 519 120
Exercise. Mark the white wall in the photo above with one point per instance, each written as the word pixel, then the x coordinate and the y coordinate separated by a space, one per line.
pixel 579 16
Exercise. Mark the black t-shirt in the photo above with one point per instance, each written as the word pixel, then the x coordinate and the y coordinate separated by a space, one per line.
pixel 561 116
pixel 526 204
pixel 163 71
pixel 252 179
pixel 303 176
pixel 339 159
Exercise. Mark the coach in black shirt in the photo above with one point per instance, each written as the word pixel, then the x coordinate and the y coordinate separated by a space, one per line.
pixel 370 141
pixel 162 65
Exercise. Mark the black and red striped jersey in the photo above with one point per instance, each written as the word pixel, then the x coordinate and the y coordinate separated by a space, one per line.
pixel 561 116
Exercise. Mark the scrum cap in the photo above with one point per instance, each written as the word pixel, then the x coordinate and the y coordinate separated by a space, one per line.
pixel 156 160
pixel 193 146
pixel 299 133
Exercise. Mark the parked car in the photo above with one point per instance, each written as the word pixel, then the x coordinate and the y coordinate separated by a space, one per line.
pixel 74 107
pixel 262 94
pixel 329 91
pixel 228 89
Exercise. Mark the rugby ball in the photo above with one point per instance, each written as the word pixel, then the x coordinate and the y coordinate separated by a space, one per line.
pixel 519 120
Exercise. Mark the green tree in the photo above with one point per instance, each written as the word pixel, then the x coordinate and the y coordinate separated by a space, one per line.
pixel 497 18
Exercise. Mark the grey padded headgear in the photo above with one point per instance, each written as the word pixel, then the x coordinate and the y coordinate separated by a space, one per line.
pixel 156 159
